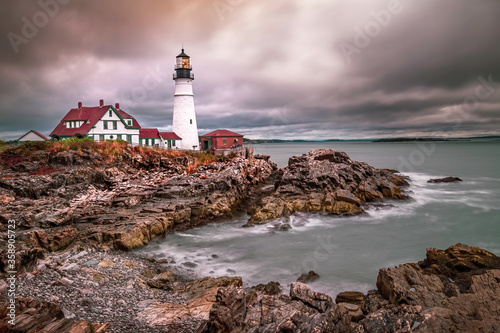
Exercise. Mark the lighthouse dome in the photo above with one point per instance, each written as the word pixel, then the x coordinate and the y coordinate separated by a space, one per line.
pixel 182 55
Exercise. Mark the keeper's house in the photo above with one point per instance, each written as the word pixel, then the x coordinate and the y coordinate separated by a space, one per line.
pixel 103 122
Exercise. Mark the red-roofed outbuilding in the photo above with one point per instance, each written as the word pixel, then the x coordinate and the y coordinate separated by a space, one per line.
pixel 221 139
pixel 33 136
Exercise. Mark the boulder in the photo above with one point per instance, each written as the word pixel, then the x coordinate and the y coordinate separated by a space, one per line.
pixel 318 301
pixel 325 180
pixel 445 180
pixel 352 297
pixel 308 277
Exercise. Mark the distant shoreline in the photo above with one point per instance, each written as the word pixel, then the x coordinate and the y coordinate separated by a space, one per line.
pixel 382 140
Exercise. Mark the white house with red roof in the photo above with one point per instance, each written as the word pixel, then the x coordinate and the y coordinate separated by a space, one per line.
pixel 105 122
pixel 152 137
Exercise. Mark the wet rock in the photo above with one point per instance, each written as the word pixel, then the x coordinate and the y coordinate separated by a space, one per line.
pixel 352 297
pixel 106 263
pixel 308 277
pixel 271 288
pixel 237 311
pixel 325 180
pixel 168 276
pixel 354 311
pixel 316 300
pixel 445 180
pixel 34 315
pixel 189 264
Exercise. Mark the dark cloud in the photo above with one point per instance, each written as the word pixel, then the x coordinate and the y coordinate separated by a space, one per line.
pixel 265 69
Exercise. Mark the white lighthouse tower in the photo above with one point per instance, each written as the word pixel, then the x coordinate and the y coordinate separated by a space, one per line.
pixel 184 122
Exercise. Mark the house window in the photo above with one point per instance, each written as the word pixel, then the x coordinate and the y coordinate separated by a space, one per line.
pixel 130 122
pixel 119 137
pixel 224 141
pixel 146 142
pixel 173 143
pixel 191 121
pixel 110 113
pixel 101 137
pixel 111 137
pixel 105 124
pixel 129 138
pixel 152 142
pixel 115 124
pixel 235 141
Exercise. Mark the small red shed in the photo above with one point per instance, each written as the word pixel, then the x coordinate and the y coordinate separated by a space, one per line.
pixel 221 139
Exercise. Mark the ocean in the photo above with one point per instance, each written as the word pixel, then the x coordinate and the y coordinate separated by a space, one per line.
pixel 347 252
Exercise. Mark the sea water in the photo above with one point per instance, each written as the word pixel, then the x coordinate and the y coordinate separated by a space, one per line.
pixel 347 252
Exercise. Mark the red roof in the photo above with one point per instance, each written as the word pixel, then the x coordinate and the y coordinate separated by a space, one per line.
pixel 149 133
pixel 221 132
pixel 170 136
pixel 124 114
pixel 37 133
pixel 90 116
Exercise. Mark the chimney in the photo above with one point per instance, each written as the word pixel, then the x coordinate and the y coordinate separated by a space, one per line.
pixel 79 105
pixel 117 106
pixel 101 102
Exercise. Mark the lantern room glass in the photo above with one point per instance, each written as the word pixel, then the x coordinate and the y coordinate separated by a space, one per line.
pixel 183 62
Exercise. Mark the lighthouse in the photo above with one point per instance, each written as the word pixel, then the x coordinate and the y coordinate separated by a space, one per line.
pixel 184 122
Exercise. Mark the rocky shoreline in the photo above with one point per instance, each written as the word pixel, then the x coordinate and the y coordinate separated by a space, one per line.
pixel 75 224
pixel 452 290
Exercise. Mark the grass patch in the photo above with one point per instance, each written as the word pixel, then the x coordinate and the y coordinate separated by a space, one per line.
pixel 107 149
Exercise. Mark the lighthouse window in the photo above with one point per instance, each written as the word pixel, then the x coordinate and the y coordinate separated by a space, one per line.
pixel 191 121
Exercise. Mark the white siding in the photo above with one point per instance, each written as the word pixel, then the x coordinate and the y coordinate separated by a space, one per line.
pixel 31 137
pixel 111 133
pixel 184 119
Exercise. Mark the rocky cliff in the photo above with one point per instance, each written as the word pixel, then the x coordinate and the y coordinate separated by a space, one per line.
pixel 453 290
pixel 325 180
pixel 120 203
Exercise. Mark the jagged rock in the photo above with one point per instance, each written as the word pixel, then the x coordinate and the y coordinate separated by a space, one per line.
pixel 262 157
pixel 168 276
pixel 271 288
pixel 411 297
pixel 325 180
pixel 161 314
pixel 352 297
pixel 33 315
pixel 318 301
pixel 442 293
pixel 354 311
pixel 238 312
pixel 308 277
pixel 445 180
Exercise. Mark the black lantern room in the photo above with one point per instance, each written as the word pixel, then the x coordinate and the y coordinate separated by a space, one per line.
pixel 183 67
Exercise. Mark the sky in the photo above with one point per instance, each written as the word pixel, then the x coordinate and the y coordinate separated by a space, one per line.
pixel 284 69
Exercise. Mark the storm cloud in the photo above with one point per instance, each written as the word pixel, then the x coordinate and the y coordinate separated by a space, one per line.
pixel 295 69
